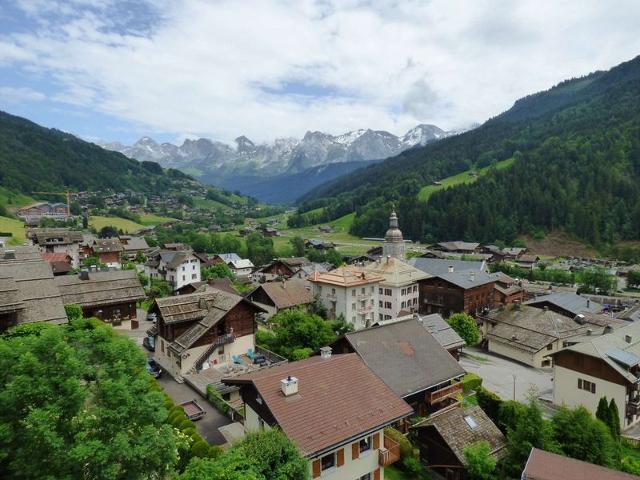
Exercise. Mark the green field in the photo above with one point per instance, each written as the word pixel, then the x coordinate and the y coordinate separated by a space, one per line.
pixel 15 227
pixel 13 200
pixel 207 204
pixel 460 178
pixel 151 219
pixel 123 224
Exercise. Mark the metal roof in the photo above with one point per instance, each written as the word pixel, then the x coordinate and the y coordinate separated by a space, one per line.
pixel 627 359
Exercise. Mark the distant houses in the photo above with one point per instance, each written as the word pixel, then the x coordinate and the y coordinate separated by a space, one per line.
pixel 34 213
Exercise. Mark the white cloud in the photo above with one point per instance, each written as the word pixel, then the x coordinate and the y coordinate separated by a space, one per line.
pixel 203 67
pixel 16 95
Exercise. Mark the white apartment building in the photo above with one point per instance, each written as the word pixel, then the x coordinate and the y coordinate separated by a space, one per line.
pixel 351 292
pixel 179 268
pixel 398 291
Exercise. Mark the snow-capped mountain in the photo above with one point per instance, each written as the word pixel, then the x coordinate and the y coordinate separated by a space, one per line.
pixel 230 166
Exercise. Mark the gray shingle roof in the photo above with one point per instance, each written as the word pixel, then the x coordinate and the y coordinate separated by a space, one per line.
pixel 467 279
pixel 102 288
pixel 570 302
pixel 437 266
pixel 405 355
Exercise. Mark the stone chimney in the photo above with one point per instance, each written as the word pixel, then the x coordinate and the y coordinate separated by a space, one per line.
pixel 325 353
pixel 472 276
pixel 289 386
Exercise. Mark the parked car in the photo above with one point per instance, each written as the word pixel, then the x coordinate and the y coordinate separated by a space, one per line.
pixel 193 410
pixel 149 343
pixel 152 317
pixel 153 368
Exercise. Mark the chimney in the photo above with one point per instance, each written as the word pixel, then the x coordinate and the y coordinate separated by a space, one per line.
pixel 472 276
pixel 450 268
pixel 84 274
pixel 9 255
pixel 325 353
pixel 289 386
pixel 628 338
pixel 388 257
pixel 588 303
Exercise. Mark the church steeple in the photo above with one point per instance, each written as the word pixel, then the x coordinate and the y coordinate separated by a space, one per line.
pixel 393 242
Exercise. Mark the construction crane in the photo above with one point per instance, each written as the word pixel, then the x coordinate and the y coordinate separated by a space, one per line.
pixel 66 194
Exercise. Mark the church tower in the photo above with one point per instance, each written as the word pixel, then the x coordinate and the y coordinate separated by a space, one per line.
pixel 393 242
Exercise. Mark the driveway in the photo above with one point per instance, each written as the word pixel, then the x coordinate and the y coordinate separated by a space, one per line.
pixel 501 375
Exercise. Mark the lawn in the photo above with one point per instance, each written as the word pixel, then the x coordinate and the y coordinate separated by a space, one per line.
pixel 15 227
pixel 460 178
pixel 207 204
pixel 18 200
pixel 151 219
pixel 123 224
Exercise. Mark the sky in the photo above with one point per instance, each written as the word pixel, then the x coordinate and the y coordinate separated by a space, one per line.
pixel 117 70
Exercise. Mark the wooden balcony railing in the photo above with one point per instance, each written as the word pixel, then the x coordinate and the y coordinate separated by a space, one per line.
pixel 444 393
pixel 389 453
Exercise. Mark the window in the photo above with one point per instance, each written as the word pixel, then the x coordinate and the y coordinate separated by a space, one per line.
pixel 366 444
pixel 380 317
pixel 372 289
pixel 194 276
pixel 586 385
pixel 415 288
pixel 403 304
pixel 404 292
pixel 333 291
pixel 550 346
pixel 183 268
pixel 353 306
pixel 387 292
pixel 260 423
pixel 353 292
pixel 380 291
pixel 380 303
pixel 183 278
pixel 362 291
pixel 327 462
pixel 387 304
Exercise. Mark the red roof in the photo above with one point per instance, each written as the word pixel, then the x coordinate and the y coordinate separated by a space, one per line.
pixel 543 465
pixel 338 399
pixel 56 257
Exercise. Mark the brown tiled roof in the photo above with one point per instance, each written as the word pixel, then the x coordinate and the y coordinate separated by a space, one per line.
pixel 348 276
pixel 338 399
pixel 55 257
pixel 107 245
pixel 288 293
pixel 543 465
pixel 460 427
pixel 102 288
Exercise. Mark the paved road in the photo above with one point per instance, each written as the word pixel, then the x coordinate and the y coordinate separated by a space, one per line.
pixel 498 375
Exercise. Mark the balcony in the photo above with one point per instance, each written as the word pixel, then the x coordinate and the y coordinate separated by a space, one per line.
pixel 364 310
pixel 389 453
pixel 447 392
pixel 633 406
pixel 363 296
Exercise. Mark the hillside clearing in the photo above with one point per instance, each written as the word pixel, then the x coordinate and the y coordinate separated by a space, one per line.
pixel 152 219
pixel 15 227
pixel 558 244
pixel 460 179
pixel 13 200
pixel 123 224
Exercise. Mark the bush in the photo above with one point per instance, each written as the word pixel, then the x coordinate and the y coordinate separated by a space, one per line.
pixel 215 451
pixel 411 466
pixel 406 448
pixel 186 424
pixel 216 399
pixel 490 403
pixel 73 311
pixel 200 449
pixel 471 382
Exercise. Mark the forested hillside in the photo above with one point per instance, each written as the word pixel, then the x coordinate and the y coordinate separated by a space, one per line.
pixel 35 158
pixel 577 167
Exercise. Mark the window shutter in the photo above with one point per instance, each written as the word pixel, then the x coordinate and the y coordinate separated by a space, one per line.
pixel 376 474
pixel 341 457
pixel 316 468
pixel 376 441
pixel 355 450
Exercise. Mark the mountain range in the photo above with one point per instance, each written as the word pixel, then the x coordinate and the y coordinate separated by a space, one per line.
pixel 574 156
pixel 261 170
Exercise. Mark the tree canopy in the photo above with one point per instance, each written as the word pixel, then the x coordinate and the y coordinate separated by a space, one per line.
pixel 465 326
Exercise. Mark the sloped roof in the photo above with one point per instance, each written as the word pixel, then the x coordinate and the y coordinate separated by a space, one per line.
pixel 229 257
pixel 134 244
pixel 460 427
pixel 174 258
pixel 467 279
pixel 55 236
pixel 315 267
pixel 437 266
pixel 396 273
pixel 242 263
pixel 442 331
pixel 21 253
pixel 338 399
pixel 543 465
pixel 288 293
pixel 102 288
pixel 106 245
pixel 458 245
pixel 56 257
pixel 405 356
pixel 28 285
pixel 195 306
pixel 570 302
pixel 347 276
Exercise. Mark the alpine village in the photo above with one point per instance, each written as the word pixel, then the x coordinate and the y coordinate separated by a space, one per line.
pixel 457 304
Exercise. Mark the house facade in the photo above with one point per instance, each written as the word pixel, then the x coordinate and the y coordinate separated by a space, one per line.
pixel 350 292
pixel 203 329
pixel 275 297
pixel 58 240
pixel 32 214
pixel 178 267
pixel 300 398
pixel 398 291
pixel 107 250
pixel 609 366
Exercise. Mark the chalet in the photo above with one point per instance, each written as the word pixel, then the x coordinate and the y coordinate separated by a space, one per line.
pixel 224 284
pixel 464 248
pixel 175 247
pixel 319 245
pixel 542 465
pixel 224 258
pixel 27 290
pixel 326 228
pixel 399 288
pixel 132 246
pixel 275 297
pixel 469 291
pixel 348 292
pixel 107 250
pixel 60 262
pixel 527 260
pixel 608 365
pixel 110 296
pixel 205 260
pixel 437 266
pixel 301 399
pixel 269 232
pixel 568 304
pixel 443 437
pixel 178 267
pixel 410 361
pixel 507 290
pixel 202 329
pixel 284 267
pixel 58 240
pixel 530 335
pixel 310 269
pixel 241 268
pixel 439 328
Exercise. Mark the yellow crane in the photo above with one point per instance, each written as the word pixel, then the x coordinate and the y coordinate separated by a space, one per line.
pixel 66 194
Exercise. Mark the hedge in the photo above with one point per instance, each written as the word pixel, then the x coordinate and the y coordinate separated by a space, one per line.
pixel 471 382
pixel 216 399
pixel 406 447
pixel 490 403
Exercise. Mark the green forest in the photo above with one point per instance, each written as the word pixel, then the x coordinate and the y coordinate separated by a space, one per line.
pixel 576 166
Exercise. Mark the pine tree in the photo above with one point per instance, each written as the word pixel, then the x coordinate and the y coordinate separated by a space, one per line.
pixel 602 413
pixel 614 419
